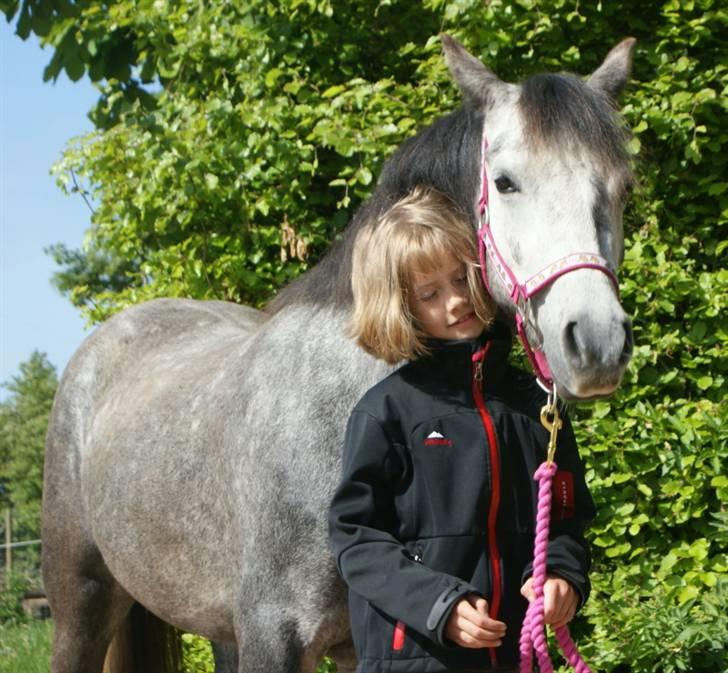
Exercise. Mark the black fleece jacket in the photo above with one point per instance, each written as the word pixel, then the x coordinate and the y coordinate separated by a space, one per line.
pixel 437 500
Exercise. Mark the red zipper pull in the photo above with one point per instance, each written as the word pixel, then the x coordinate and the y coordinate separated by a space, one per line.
pixel 398 637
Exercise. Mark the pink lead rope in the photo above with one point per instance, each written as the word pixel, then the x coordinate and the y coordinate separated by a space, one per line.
pixel 533 634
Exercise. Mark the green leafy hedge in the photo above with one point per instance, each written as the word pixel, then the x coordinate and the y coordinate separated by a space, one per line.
pixel 234 141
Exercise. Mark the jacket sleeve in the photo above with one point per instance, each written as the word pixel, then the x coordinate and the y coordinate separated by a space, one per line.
pixel 568 553
pixel 362 533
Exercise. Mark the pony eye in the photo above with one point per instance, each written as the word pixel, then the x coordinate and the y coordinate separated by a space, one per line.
pixel 505 185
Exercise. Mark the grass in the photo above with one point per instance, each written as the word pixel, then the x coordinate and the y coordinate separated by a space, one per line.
pixel 25 648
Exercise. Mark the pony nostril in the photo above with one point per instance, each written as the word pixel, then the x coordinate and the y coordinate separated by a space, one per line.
pixel 628 342
pixel 583 349
pixel 571 343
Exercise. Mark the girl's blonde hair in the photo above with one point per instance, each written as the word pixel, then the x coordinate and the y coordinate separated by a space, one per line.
pixel 413 236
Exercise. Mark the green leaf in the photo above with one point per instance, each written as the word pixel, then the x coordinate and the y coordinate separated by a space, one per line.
pixel 333 91
pixel 24 24
pixel 272 77
pixel 645 489
pixel 365 176
pixel 74 68
pixel 617 550
pixel 705 382
pixel 688 593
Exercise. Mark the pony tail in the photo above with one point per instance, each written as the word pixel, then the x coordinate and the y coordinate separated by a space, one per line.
pixel 143 643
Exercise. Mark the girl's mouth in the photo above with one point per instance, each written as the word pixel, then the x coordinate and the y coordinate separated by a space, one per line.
pixel 464 320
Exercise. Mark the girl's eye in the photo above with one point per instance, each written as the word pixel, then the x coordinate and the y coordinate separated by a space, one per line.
pixel 505 185
pixel 461 279
pixel 427 296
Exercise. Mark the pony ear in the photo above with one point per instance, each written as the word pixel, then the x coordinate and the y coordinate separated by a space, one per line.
pixel 612 75
pixel 476 82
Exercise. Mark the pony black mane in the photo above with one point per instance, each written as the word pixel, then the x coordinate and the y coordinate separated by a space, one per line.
pixel 561 111
pixel 445 156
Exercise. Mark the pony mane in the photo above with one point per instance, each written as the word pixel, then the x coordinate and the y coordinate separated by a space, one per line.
pixel 445 156
pixel 562 112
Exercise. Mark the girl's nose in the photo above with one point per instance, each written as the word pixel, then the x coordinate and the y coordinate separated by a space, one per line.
pixel 456 298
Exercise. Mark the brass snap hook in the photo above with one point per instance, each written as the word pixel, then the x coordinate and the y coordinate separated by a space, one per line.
pixel 551 420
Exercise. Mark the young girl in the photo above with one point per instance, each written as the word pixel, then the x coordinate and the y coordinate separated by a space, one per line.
pixel 432 523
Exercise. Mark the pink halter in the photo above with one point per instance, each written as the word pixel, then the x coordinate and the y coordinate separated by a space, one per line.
pixel 521 293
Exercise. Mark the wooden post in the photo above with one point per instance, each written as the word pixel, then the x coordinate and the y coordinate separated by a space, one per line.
pixel 8 542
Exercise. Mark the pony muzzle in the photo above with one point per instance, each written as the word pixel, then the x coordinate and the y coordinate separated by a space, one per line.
pixel 594 355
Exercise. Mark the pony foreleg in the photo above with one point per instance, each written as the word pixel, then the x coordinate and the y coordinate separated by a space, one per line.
pixel 226 658
pixel 269 642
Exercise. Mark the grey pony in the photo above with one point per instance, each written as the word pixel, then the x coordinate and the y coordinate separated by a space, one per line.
pixel 194 446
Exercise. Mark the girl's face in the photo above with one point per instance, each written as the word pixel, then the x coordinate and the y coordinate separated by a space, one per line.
pixel 440 302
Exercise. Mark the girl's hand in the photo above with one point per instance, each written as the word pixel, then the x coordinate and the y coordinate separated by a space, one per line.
pixel 470 626
pixel 560 600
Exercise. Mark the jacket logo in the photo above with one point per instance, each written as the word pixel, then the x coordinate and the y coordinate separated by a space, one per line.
pixel 563 496
pixel 436 439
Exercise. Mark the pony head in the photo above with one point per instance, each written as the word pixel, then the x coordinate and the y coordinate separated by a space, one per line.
pixel 558 175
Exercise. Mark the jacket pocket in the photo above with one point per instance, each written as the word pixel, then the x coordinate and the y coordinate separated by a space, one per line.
pixel 399 636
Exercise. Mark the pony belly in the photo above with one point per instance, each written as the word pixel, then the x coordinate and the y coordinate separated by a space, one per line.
pixel 182 581
pixel 164 526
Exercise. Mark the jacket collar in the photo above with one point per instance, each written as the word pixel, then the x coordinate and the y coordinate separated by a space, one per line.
pixel 453 360
pixel 497 332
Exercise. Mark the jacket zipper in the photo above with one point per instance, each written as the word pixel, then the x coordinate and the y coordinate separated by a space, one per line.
pixel 400 629
pixel 495 486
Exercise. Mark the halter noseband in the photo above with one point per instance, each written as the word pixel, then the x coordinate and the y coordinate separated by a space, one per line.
pixel 521 293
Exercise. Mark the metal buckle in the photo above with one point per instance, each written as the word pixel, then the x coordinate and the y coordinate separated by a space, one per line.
pixel 485 216
pixel 523 306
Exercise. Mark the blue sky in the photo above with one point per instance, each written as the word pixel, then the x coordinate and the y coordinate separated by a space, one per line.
pixel 37 119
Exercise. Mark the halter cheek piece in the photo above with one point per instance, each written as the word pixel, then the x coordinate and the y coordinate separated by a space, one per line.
pixel 521 293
